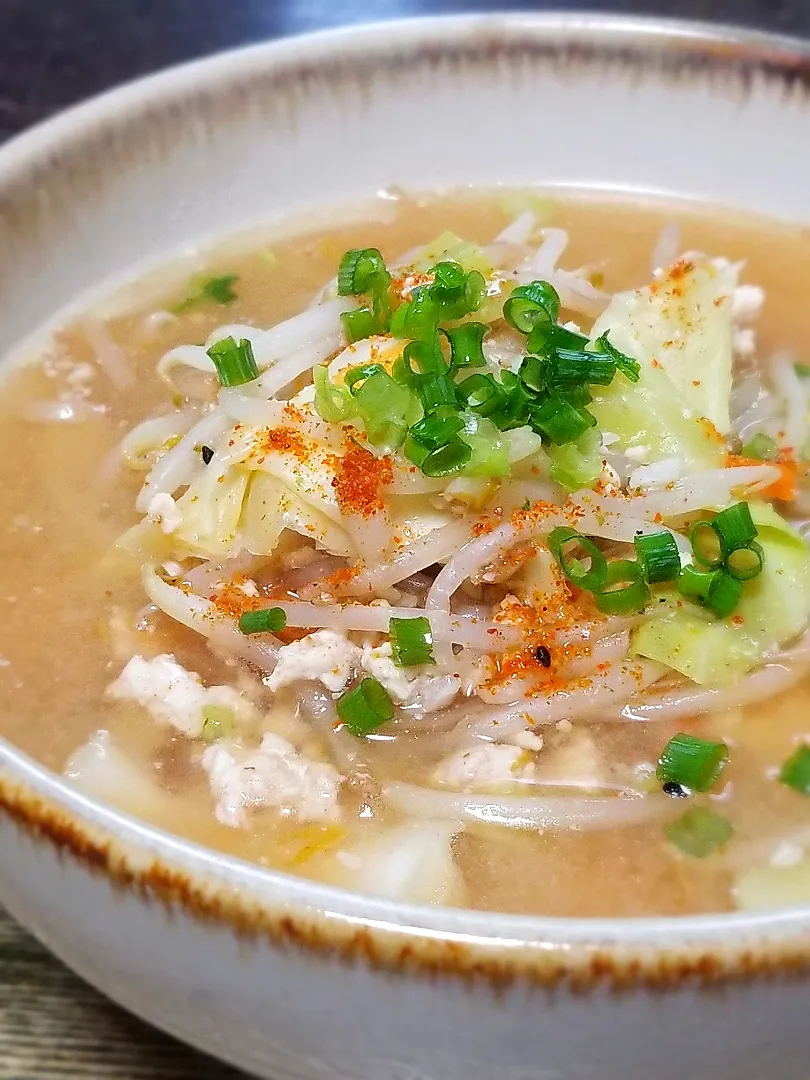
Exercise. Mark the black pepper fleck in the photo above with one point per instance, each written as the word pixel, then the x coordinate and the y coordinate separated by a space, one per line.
pixel 207 455
pixel 542 655
pixel 676 790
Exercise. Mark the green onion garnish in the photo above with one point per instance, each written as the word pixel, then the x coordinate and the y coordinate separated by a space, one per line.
pixel 218 722
pixel 745 563
pixel 706 544
pixel 481 393
pixel 263 621
pixel 360 269
pixel 356 376
pixel 695 583
pixel 535 374
pixel 437 429
pixel 624 590
pixel 532 304
pixel 761 447
pixel 559 421
pixel 691 762
pixel 332 403
pixel 571 366
pixel 630 368
pixel 724 594
pixel 475 290
pixel 359 323
pixel 411 642
pixel 580 559
pixel 466 345
pixel 795 772
pixel 448 277
pixel 424 358
pixel 219 289
pixel 363 271
pixel 235 364
pixel 418 318
pixel 735 527
pixel 699 832
pixel 364 708
pixel 448 459
pixel 658 556
pixel 385 407
pixel 437 391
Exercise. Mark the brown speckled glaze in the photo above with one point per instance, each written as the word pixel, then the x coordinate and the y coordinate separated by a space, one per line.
pixel 580 970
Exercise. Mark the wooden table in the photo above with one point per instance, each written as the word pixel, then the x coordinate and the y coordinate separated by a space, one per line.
pixel 53 1026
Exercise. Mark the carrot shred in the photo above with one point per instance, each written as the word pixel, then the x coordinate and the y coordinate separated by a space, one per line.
pixel 784 488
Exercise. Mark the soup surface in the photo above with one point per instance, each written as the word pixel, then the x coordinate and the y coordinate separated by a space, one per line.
pixel 203 554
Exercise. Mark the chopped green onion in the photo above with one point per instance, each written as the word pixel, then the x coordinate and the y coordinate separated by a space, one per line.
pixel 449 277
pixel 475 290
pixel 512 410
pixel 630 368
pixel 624 590
pixel 264 621
pixel 437 429
pixel 358 324
pixel 356 376
pixel 364 708
pixel 761 447
pixel 696 583
pixel 745 563
pixel 332 403
pixel 699 832
pixel 658 556
pixel 578 396
pixel 359 271
pixel 426 356
pixel 235 364
pixel 534 373
pixel 796 771
pixel 481 393
pixel 219 289
pixel 386 408
pixel 436 391
pixel 724 594
pixel 580 559
pixel 560 421
pixel 706 544
pixel 691 762
pixel 417 318
pixel 411 641
pixel 448 459
pixel 466 345
pixel 735 527
pixel 532 304
pixel 563 338
pixel 415 451
pixel 574 367
pixel 218 722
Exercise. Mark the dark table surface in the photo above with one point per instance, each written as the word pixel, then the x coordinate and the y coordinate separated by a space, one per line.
pixel 53 53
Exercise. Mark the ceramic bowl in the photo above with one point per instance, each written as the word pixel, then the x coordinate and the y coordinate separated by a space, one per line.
pixel 288 979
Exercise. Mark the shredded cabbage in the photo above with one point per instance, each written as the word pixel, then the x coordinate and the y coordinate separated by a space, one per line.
pixel 577 465
pixel 679 328
pixel 774 608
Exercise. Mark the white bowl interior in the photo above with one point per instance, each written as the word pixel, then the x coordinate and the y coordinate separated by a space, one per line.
pixel 279 129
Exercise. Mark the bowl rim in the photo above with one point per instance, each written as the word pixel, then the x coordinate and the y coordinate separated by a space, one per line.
pixel 253 899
